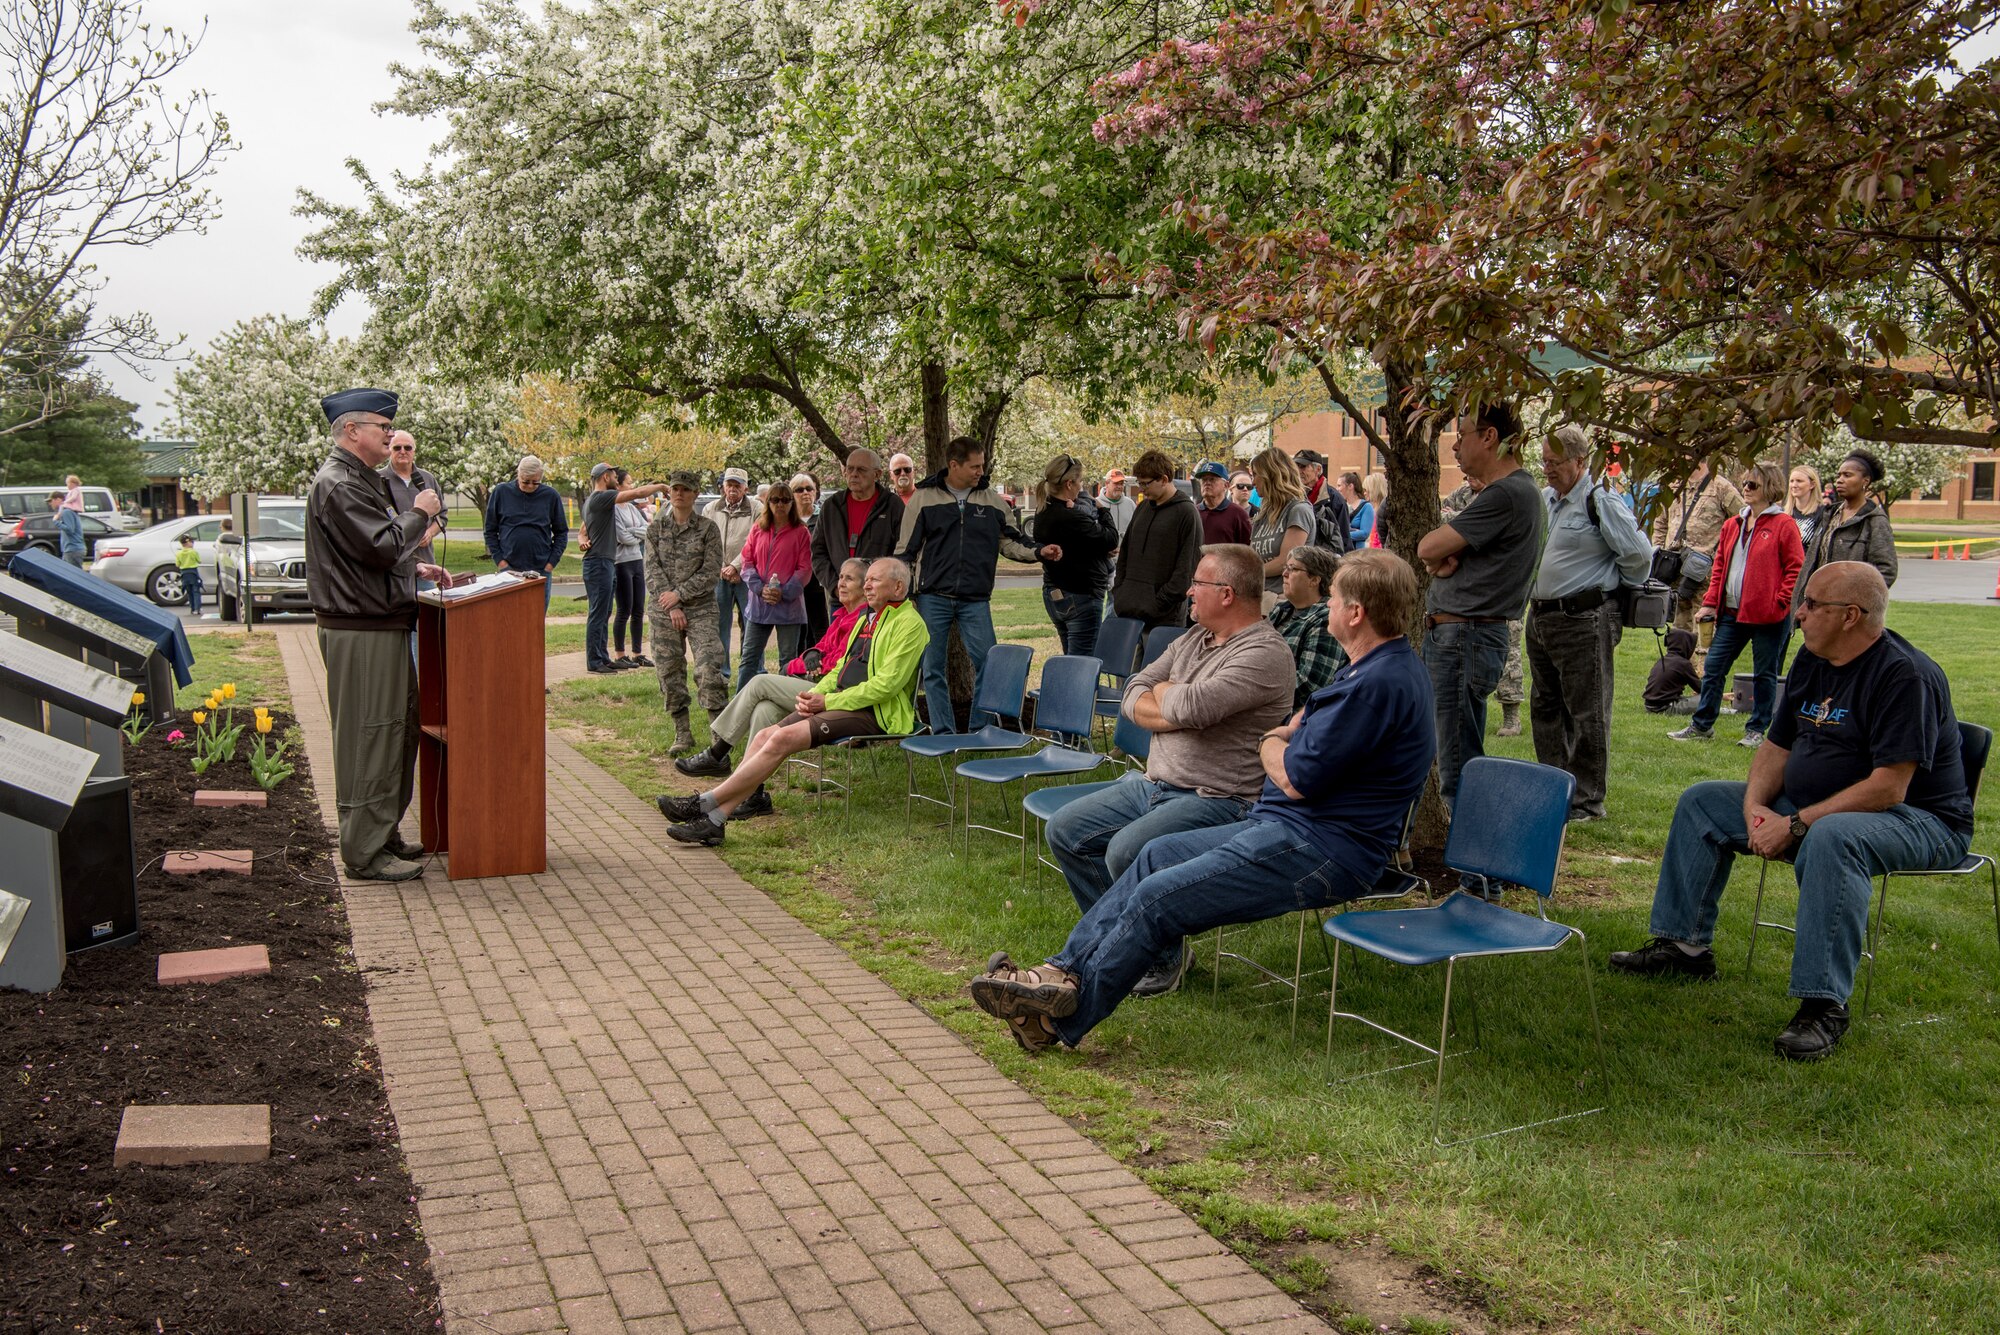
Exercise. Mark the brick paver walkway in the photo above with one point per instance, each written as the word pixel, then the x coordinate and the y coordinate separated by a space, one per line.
pixel 636 1095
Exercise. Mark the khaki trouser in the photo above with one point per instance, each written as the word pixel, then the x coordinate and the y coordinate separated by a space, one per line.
pixel 670 659
pixel 767 698
pixel 1509 690
pixel 371 692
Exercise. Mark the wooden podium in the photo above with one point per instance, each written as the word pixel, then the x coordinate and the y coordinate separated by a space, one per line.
pixel 481 760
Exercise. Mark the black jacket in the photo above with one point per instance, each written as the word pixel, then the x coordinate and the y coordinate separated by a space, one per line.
pixel 361 556
pixel 831 547
pixel 1156 565
pixel 956 549
pixel 1087 535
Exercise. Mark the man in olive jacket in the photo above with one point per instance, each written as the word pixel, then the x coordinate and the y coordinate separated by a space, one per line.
pixel 361 573
pixel 868 692
pixel 1161 549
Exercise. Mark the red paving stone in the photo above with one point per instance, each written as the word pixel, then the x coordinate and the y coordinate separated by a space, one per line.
pixel 235 861
pixel 213 966
pixel 635 1094
pixel 231 797
pixel 171 1134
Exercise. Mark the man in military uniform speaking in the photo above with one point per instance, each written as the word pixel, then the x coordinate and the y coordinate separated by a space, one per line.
pixel 362 572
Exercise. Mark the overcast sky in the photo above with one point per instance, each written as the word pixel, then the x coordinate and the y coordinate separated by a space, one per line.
pixel 299 84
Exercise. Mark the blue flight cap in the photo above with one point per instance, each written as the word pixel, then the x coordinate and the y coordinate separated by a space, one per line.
pixel 379 401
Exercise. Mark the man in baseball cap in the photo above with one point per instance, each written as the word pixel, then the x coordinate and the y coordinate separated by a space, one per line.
pixel 1326 501
pixel 1222 520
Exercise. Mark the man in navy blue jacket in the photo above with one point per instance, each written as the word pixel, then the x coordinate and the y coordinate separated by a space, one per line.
pixel 527 527
pixel 1339 778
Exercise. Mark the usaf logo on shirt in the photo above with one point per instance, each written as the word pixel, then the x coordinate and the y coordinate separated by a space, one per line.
pixel 1823 714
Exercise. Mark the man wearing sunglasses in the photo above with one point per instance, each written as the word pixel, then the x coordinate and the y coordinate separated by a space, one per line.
pixel 406 483
pixel 903 477
pixel 1861 773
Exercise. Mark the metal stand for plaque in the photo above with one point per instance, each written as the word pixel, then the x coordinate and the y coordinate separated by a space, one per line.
pixel 38 787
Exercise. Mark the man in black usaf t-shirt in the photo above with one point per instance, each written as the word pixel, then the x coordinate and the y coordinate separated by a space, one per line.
pixel 1859 774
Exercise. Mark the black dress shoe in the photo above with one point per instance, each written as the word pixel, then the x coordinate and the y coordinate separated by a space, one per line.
pixel 1814 1031
pixel 678 808
pixel 704 765
pixel 640 660
pixel 757 804
pixel 701 831
pixel 1661 956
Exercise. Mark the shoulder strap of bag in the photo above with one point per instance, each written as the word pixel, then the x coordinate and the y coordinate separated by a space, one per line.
pixel 1687 509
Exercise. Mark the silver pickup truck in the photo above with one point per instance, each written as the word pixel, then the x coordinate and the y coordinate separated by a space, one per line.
pixel 277 576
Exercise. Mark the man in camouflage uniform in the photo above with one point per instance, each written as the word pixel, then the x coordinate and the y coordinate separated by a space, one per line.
pixel 683 563
pixel 1509 692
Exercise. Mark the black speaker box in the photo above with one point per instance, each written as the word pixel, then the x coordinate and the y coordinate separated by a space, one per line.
pixel 100 871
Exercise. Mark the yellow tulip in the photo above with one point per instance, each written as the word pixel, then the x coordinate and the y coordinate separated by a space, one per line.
pixel 229 690
pixel 263 723
pixel 198 717
pixel 138 698
pixel 263 712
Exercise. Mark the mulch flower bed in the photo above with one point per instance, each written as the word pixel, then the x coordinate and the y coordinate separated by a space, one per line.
pixel 321 1237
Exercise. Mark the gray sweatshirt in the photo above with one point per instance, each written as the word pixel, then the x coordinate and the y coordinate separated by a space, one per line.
pixel 1223 699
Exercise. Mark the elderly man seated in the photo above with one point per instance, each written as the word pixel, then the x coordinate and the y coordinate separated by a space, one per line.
pixel 1860 773
pixel 1207 700
pixel 769 696
pixel 1339 776
pixel 1300 617
pixel 868 690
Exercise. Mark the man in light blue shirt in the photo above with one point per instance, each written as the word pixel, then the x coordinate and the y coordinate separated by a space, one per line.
pixel 1594 546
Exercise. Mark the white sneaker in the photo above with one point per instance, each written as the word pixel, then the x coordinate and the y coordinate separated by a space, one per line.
pixel 1752 738
pixel 1692 733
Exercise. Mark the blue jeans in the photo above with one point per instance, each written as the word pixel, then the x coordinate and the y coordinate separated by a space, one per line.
pixel 756 635
pixel 1096 838
pixel 1835 867
pixel 600 581
pixel 191 586
pixel 974 618
pixel 731 600
pixel 1767 650
pixel 1465 659
pixel 1076 617
pixel 1181 886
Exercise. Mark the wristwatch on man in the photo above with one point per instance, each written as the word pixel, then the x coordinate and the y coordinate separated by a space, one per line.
pixel 1799 828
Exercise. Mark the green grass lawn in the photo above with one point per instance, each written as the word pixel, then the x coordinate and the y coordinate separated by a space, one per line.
pixel 1722 1190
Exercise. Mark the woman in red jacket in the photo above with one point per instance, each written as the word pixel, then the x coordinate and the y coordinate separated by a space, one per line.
pixel 1749 599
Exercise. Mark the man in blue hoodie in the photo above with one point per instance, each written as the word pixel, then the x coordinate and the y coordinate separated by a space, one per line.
pixel 955 527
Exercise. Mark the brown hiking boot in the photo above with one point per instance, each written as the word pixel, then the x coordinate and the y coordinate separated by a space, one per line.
pixel 1510 720
pixel 683 735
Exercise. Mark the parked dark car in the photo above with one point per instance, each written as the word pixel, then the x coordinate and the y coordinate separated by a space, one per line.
pixel 39 531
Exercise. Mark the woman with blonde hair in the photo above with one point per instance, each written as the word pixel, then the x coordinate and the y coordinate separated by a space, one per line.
pixel 1073 588
pixel 1286 519
pixel 1750 588
pixel 1376 488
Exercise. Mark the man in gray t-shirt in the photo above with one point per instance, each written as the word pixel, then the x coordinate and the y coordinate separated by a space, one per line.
pixel 1482 563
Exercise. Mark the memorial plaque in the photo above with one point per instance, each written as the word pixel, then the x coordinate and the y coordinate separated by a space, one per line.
pixel 43 613
pixel 43 674
pixel 41 775
pixel 13 909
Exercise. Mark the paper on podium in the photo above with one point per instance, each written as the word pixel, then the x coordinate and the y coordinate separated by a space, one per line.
pixel 499 579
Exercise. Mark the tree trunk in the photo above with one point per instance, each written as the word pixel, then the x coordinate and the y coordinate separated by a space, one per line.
pixel 936 395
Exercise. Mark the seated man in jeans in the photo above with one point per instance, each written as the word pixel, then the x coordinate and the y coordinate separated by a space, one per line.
pixel 1207 700
pixel 1860 773
pixel 868 690
pixel 1339 777
pixel 769 696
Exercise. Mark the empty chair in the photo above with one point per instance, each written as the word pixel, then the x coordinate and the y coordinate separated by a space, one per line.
pixel 1127 737
pixel 1064 711
pixel 1003 692
pixel 1507 827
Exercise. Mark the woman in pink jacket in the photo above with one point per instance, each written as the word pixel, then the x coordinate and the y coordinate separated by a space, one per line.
pixel 1749 599
pixel 776 566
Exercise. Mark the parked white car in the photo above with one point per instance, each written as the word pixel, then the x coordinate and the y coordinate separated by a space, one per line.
pixel 143 562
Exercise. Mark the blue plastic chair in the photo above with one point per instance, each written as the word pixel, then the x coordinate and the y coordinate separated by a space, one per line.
pixel 820 763
pixel 1003 692
pixel 1394 883
pixel 1507 827
pixel 1069 690
pixel 1975 745
pixel 1117 646
pixel 1157 640
pixel 1128 738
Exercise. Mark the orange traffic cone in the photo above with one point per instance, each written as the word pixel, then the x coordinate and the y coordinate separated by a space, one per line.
pixel 1965 552
pixel 1996 589
pixel 1934 555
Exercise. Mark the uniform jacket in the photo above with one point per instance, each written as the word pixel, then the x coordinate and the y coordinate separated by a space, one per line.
pixel 956 549
pixel 1770 573
pixel 1156 562
pixel 361 556
pixel 894 656
pixel 1705 513
pixel 877 537
pixel 686 558
pixel 1866 537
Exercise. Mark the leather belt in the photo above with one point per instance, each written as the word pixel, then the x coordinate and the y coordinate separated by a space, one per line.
pixel 1454 619
pixel 1575 605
